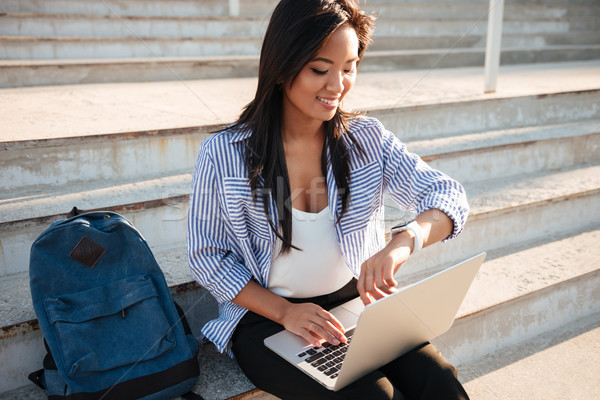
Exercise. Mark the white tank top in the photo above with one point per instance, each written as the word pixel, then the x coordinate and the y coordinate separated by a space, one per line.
pixel 316 270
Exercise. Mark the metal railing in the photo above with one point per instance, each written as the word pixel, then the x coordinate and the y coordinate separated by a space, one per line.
pixel 234 8
pixel 492 48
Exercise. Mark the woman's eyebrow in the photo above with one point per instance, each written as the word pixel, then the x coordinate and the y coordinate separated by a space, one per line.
pixel 327 60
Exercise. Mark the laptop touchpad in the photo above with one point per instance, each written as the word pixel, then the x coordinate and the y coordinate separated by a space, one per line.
pixel 347 318
pixel 355 306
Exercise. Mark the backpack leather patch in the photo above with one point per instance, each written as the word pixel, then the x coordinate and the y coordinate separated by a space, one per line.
pixel 87 252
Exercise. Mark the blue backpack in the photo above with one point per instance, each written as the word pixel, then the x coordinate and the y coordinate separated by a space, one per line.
pixel 110 324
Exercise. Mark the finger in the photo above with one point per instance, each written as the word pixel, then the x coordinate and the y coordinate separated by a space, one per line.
pixel 319 331
pixel 332 326
pixel 371 286
pixel 311 339
pixel 380 283
pixel 331 318
pixel 360 286
pixel 376 293
pixel 388 277
pixel 336 329
pixel 369 279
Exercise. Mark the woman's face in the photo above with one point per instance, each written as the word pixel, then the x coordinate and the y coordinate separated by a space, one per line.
pixel 317 91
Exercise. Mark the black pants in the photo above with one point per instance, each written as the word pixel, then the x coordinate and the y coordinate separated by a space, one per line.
pixel 420 374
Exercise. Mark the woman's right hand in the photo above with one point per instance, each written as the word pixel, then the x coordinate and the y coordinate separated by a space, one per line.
pixel 306 320
pixel 313 323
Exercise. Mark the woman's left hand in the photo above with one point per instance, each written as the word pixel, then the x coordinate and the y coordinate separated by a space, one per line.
pixel 376 278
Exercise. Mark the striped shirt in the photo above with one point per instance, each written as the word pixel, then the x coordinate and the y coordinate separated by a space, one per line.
pixel 229 238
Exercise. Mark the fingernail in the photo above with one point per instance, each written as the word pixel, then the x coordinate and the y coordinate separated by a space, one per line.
pixel 336 342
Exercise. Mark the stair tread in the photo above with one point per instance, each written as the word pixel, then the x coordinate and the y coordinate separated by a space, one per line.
pixel 488 196
pixel 500 137
pixel 113 17
pixel 24 37
pixel 384 18
pixel 509 273
pixel 514 271
pixel 560 364
pixel 44 201
pixel 134 107
pixel 504 193
pixel 173 59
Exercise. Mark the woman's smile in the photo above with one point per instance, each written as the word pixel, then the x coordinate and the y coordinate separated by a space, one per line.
pixel 329 103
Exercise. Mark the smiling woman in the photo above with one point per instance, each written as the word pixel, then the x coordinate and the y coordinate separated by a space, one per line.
pixel 286 206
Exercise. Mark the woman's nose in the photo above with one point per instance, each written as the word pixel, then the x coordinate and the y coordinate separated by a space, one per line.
pixel 335 83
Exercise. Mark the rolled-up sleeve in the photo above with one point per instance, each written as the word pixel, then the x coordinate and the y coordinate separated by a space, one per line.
pixel 212 260
pixel 417 187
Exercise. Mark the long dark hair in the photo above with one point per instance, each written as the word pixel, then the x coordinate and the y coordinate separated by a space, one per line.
pixel 296 32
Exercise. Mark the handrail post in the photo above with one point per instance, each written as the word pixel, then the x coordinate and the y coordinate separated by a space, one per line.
pixel 234 8
pixel 492 48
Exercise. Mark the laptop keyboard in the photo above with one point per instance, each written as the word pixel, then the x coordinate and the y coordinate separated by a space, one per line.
pixel 328 358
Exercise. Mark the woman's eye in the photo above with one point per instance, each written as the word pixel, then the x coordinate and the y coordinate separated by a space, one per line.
pixel 318 71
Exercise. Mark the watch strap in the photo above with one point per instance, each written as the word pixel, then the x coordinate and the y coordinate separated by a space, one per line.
pixel 416 230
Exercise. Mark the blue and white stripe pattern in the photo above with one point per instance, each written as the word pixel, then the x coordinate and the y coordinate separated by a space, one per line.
pixel 229 238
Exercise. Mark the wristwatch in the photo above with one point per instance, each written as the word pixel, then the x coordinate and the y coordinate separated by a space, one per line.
pixel 416 230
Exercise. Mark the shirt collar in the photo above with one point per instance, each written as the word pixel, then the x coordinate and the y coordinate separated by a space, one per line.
pixel 239 135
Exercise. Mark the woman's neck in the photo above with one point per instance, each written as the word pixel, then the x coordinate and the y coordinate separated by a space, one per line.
pixel 303 132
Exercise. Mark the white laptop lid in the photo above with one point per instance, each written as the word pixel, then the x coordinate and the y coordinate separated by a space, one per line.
pixel 390 327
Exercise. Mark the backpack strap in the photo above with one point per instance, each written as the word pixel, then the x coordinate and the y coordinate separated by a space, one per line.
pixel 74 212
pixel 191 396
pixel 36 377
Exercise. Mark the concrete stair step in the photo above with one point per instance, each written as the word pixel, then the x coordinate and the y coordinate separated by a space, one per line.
pixel 18 73
pixel 513 299
pixel 130 8
pixel 533 206
pixel 158 8
pixel 415 104
pixel 492 117
pixel 394 9
pixel 463 9
pixel 38 24
pixel 524 291
pixel 79 164
pixel 74 161
pixel 564 3
pixel 467 57
pixel 58 47
pixel 35 24
pixel 468 142
pixel 496 154
pixel 68 47
pixel 509 41
pixel 560 364
pixel 158 207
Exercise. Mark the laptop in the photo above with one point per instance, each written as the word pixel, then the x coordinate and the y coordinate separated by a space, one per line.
pixel 384 330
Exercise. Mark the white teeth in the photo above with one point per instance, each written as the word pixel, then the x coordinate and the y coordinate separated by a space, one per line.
pixel 331 102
